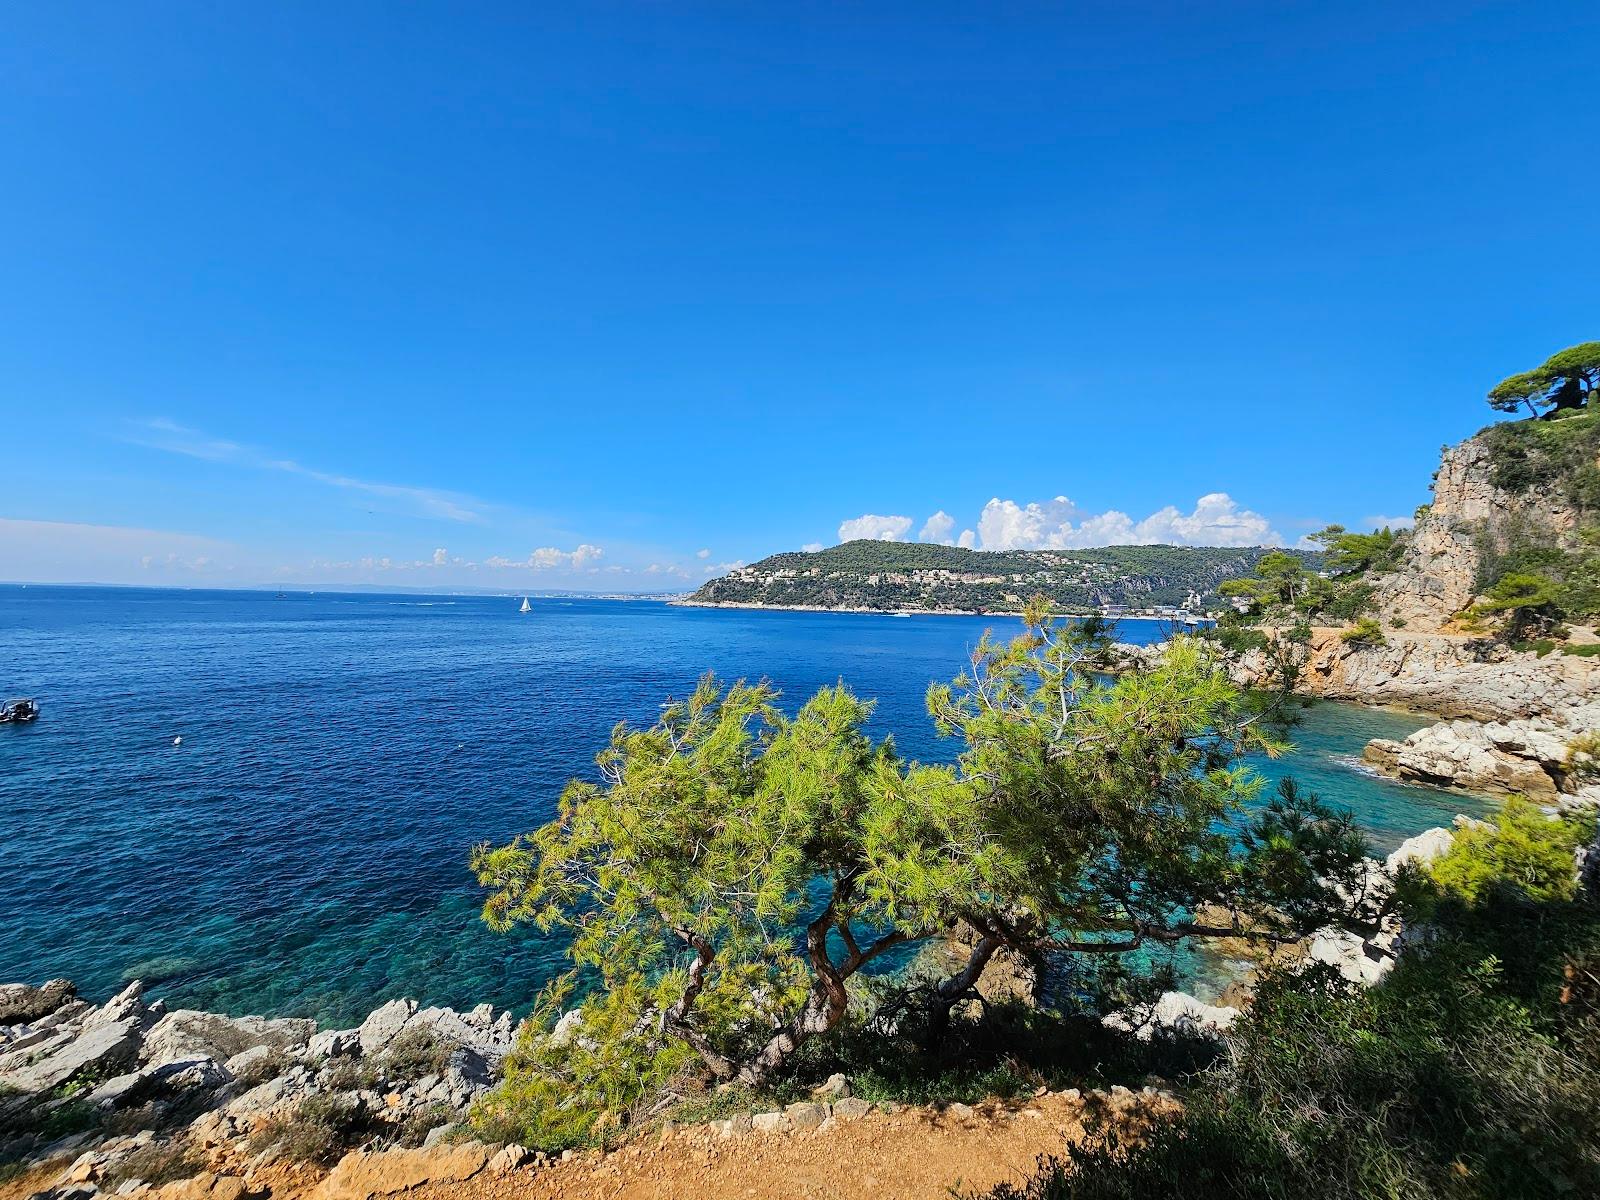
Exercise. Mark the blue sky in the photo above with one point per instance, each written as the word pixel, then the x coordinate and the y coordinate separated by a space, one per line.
pixel 551 295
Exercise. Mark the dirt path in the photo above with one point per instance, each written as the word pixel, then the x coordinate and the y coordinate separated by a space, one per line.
pixel 912 1154
pixel 915 1153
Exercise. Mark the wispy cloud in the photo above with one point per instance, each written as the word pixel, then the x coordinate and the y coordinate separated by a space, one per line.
pixel 71 552
pixel 169 436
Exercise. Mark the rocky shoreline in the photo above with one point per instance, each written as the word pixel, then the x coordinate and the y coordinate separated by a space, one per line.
pixel 138 1096
pixel 112 1081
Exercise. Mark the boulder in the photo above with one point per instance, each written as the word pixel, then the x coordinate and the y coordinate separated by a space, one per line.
pixel 1421 849
pixel 851 1108
pixel 806 1114
pixel 23 1004
pixel 1175 1014
pixel 769 1122
pixel 510 1158
pixel 835 1087
pixel 1356 960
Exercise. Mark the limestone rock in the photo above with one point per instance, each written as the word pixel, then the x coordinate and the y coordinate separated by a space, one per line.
pixel 769 1122
pixel 187 1033
pixel 806 1115
pixel 835 1087
pixel 1174 1014
pixel 201 1187
pixel 363 1175
pixel 510 1158
pixel 334 1043
pixel 384 1024
pixel 1421 849
pixel 1357 960
pixel 1527 755
pixel 851 1108
pixel 104 1049
pixel 22 1004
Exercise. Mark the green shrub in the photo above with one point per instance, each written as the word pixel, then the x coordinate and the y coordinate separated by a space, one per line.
pixel 1468 1074
pixel 1365 632
pixel 319 1130
pixel 1519 847
pixel 1548 456
pixel 418 1052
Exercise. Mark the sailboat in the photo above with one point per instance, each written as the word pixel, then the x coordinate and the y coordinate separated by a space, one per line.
pixel 526 607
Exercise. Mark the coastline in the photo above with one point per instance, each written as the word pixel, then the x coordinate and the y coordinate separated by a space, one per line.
pixel 883 612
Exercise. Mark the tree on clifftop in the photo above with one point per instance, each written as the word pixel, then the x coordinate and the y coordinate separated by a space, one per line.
pixel 734 868
pixel 1563 382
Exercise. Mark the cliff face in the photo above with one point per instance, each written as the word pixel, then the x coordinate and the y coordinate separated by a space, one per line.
pixel 1469 513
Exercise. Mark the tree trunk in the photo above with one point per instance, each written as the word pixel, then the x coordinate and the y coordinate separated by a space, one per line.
pixel 949 992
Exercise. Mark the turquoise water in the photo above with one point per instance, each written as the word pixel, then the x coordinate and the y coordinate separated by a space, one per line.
pixel 303 850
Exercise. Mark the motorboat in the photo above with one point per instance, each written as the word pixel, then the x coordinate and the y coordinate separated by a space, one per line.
pixel 15 712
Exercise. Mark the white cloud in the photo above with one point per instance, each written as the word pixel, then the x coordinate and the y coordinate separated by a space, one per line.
pixel 875 528
pixel 937 529
pixel 702 554
pixel 812 547
pixel 1368 523
pixel 549 557
pixel 968 539
pixel 68 552
pixel 441 557
pixel 160 434
pixel 1060 524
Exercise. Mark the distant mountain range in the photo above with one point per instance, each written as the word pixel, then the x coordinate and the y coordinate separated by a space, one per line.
pixel 914 575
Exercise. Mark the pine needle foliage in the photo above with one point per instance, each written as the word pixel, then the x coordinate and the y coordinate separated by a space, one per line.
pixel 733 868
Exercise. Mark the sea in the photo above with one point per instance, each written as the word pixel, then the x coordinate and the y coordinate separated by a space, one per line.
pixel 264 803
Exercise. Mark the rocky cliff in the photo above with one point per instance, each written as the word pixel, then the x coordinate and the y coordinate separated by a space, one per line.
pixel 1470 515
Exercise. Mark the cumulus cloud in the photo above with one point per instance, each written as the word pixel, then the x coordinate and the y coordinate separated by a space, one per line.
pixel 968 539
pixel 937 529
pixel 812 547
pixel 875 528
pixel 441 557
pixel 549 557
pixel 1404 522
pixel 702 554
pixel 1216 520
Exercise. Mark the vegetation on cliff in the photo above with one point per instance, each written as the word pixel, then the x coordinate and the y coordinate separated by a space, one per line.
pixel 1468 1073
pixel 893 575
pixel 1532 577
pixel 737 871
pixel 1564 382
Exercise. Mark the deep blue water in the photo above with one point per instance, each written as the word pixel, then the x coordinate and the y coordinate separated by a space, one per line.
pixel 304 850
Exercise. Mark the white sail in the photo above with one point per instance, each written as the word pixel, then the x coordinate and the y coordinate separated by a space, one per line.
pixel 526 607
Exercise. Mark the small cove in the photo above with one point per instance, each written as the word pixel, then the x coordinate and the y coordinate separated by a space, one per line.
pixel 303 850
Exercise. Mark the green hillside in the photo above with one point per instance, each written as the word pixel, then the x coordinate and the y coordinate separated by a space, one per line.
pixel 868 574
